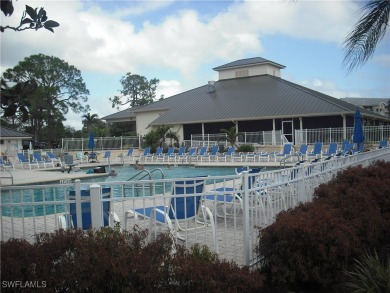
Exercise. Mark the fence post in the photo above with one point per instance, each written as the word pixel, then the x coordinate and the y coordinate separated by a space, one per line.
pixel 245 220
pixel 96 206
pixel 77 188
pixel 302 197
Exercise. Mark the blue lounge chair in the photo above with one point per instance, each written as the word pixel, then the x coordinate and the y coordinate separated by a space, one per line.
pixel 170 155
pixel 303 152
pixel 316 152
pixel 145 154
pixel 287 148
pixel 38 158
pixel 6 164
pixel 183 208
pixel 107 155
pixel 53 158
pixel 192 155
pixel 383 144
pixel 212 156
pixel 23 161
pixel 332 151
pixel 226 156
pixel 202 153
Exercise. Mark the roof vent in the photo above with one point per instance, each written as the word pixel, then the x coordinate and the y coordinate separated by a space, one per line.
pixel 211 87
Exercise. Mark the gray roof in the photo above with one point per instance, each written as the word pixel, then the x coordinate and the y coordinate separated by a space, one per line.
pixel 247 62
pixel 124 115
pixel 8 132
pixel 249 98
pixel 366 101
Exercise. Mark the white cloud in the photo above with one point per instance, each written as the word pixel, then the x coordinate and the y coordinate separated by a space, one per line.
pixel 328 87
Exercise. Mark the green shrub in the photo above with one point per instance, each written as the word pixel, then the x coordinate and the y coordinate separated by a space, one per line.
pixel 108 260
pixel 246 148
pixel 310 246
pixel 369 275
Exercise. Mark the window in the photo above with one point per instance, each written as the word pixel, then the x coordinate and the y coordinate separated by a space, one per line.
pixel 242 73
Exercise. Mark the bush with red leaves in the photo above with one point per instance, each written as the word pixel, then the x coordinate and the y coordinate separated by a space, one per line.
pixel 310 247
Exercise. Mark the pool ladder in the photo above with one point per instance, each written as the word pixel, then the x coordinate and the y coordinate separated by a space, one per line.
pixel 147 173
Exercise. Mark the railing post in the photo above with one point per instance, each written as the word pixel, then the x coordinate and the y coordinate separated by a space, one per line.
pixel 302 197
pixel 77 188
pixel 245 203
pixel 96 206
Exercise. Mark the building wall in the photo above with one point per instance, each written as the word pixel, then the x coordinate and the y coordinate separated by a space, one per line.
pixel 10 146
pixel 249 71
pixel 144 119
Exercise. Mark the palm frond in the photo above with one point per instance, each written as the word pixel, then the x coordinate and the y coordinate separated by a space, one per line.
pixel 360 44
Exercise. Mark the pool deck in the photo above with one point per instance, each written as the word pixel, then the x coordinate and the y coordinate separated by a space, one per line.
pixel 55 175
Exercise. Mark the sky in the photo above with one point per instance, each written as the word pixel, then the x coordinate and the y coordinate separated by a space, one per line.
pixel 179 42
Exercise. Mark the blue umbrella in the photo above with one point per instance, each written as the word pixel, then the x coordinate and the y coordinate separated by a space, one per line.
pixel 91 141
pixel 358 135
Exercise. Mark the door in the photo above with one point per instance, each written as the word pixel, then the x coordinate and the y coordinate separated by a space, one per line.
pixel 288 131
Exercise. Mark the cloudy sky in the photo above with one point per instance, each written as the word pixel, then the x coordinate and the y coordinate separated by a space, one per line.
pixel 179 42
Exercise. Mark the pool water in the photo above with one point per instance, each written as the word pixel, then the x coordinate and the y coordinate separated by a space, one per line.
pixel 124 174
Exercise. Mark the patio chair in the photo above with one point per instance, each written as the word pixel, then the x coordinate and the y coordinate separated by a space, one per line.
pixel 69 219
pixel 38 158
pixel 23 161
pixel 158 156
pixel 54 159
pixel 68 160
pixel 122 158
pixel 316 152
pixel 183 208
pixel 181 155
pixel 83 157
pixel 4 164
pixel 191 155
pixel 107 156
pixel 332 151
pixel 145 154
pixel 212 155
pixel 287 148
pixel 202 153
pixel 170 155
pixel 227 156
pixel 383 144
pixel 229 199
pixel 303 152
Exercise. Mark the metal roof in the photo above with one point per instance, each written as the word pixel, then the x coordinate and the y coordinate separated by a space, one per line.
pixel 250 98
pixel 8 132
pixel 366 101
pixel 124 115
pixel 247 62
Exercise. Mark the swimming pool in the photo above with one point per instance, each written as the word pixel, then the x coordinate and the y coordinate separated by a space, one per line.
pixel 35 201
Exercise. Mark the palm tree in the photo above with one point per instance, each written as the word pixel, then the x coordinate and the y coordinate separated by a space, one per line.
pixel 360 44
pixel 231 135
pixel 89 120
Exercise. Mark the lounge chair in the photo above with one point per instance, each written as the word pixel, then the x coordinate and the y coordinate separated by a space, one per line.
pixel 158 156
pixel 287 148
pixel 202 153
pixel 191 155
pixel 4 164
pixel 181 155
pixel 332 151
pixel 82 157
pixel 303 152
pixel 316 152
pixel 23 161
pixel 211 156
pixel 383 144
pixel 38 158
pixel 68 160
pixel 69 220
pixel 229 199
pixel 128 156
pixel 107 156
pixel 226 156
pixel 145 154
pixel 54 159
pixel 183 209
pixel 170 155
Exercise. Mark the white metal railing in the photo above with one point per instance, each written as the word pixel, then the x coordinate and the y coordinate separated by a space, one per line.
pixel 27 210
pixel 261 137
pixel 101 143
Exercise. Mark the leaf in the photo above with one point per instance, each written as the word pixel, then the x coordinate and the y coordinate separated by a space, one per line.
pixel 49 28
pixel 25 21
pixel 51 23
pixel 7 7
pixel 31 12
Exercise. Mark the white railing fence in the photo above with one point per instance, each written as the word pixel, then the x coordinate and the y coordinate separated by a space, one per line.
pixel 232 230
pixel 101 143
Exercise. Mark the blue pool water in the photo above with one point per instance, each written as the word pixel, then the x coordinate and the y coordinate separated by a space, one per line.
pixel 124 173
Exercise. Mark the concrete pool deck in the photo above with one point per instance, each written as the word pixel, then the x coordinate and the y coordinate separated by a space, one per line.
pixel 55 175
